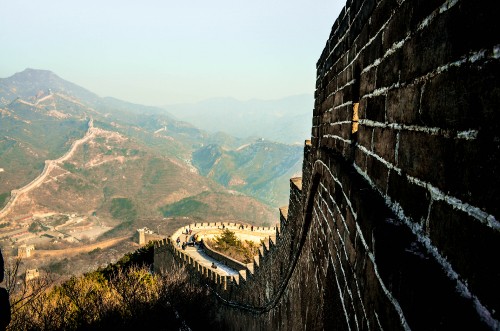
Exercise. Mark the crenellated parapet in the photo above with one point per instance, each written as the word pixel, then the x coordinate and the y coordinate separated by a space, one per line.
pixel 259 285
pixel 167 252
pixel 166 255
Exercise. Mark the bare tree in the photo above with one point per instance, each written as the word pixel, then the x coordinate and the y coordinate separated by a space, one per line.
pixel 23 292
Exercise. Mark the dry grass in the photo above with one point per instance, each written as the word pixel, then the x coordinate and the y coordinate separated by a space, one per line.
pixel 124 296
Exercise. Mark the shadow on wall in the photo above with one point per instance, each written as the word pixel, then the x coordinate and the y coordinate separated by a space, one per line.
pixel 4 299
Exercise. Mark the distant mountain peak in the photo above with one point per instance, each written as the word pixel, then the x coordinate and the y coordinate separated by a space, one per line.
pixel 30 71
pixel 34 75
pixel 29 82
pixel 37 76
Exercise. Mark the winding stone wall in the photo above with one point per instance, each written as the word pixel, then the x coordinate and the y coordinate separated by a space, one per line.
pixel 394 224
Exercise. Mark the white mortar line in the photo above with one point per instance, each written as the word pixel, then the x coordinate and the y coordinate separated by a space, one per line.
pixel 340 261
pixel 469 134
pixel 388 294
pixel 337 281
pixel 496 52
pixel 336 137
pixel 378 321
pixel 345 277
pixel 340 123
pixel 417 230
pixel 393 300
pixel 336 248
pixel 348 103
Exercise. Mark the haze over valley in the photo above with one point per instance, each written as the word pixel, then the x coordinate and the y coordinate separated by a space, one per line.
pixel 78 169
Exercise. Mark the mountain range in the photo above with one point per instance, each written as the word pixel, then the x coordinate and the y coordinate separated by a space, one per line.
pixel 139 156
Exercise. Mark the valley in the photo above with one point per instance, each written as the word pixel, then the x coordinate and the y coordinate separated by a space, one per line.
pixel 49 166
pixel 81 173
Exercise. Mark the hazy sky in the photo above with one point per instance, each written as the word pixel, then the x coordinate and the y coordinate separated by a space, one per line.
pixel 159 52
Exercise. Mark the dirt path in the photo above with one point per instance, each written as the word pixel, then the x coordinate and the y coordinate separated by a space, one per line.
pixel 82 249
pixel 49 166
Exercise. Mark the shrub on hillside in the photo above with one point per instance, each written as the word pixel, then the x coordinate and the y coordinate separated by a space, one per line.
pixel 124 296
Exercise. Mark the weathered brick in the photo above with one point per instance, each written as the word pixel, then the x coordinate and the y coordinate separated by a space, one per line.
pixel 364 138
pixel 421 9
pixel 359 19
pixel 423 156
pixel 413 199
pixel 398 26
pixel 361 39
pixel 315 120
pixel 314 139
pixel 463 98
pixel 484 94
pixel 384 143
pixel 388 70
pixel 338 98
pixel 360 159
pixel 441 161
pixel 332 86
pixel 427 50
pixel 373 51
pixel 473 161
pixel 348 92
pixel 378 172
pixel 340 114
pixel 445 102
pixel 351 226
pixel 381 15
pixel 367 82
pixel 403 105
pixel 470 246
pixel 474 21
pixel 315 131
pixel 375 108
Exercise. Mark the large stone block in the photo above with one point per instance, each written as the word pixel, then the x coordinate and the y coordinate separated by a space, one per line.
pixel 388 71
pixel 446 102
pixel 373 51
pixel 426 50
pixel 468 27
pixel 381 15
pixel 341 114
pixel 367 82
pixel 365 136
pixel 360 159
pixel 384 143
pixel 378 172
pixel 403 105
pixel 398 26
pixel 475 163
pixel 471 247
pixel 423 156
pixel 373 108
pixel 360 18
pixel 413 199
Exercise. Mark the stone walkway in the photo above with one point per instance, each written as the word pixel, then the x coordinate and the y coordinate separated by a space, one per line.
pixel 211 230
pixel 205 260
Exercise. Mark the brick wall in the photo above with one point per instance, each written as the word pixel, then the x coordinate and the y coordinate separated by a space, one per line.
pixel 394 224
pixel 426 76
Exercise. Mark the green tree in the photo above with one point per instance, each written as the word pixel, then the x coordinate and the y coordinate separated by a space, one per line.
pixel 227 239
